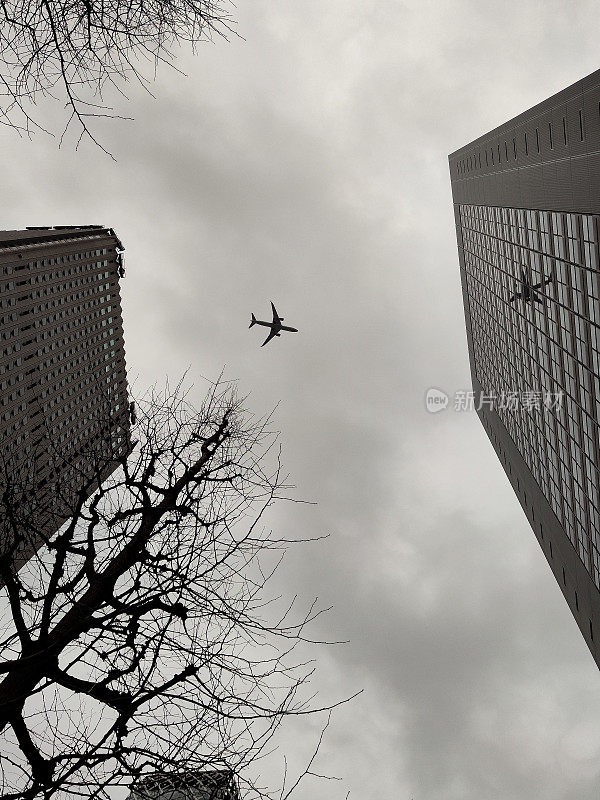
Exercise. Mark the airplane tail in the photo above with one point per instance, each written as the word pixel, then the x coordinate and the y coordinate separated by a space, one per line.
pixel 253 321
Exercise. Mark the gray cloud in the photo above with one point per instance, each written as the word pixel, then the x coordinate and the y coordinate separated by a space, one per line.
pixel 307 165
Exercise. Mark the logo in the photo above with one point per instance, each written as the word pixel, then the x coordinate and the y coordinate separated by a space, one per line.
pixel 436 400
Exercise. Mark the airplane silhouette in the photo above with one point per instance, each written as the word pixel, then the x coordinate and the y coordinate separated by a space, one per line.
pixel 528 293
pixel 276 326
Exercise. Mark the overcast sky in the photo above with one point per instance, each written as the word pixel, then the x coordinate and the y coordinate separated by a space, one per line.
pixel 307 164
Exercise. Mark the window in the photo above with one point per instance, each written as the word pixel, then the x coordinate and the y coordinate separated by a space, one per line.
pixel 581 125
pixel 550 135
pixel 537 139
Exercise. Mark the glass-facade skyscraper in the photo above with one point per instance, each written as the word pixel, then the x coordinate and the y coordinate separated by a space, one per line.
pixel 527 211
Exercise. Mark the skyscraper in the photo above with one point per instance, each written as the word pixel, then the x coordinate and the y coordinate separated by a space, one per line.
pixel 527 210
pixel 196 785
pixel 63 390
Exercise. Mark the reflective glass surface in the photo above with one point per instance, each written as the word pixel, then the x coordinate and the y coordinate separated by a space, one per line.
pixel 534 303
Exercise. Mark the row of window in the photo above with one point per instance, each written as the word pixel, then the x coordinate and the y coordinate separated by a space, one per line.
pixel 84 336
pixel 9 269
pixel 533 143
pixel 50 291
pixel 498 373
pixel 529 346
pixel 67 366
pixel 556 327
pixel 9 301
pixel 76 390
pixel 50 277
pixel 42 335
pixel 596 576
pixel 13 412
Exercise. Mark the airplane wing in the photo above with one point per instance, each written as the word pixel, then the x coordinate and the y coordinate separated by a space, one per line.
pixel 272 333
pixel 276 316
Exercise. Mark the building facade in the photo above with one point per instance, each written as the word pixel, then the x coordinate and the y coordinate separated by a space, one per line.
pixel 527 210
pixel 63 388
pixel 195 785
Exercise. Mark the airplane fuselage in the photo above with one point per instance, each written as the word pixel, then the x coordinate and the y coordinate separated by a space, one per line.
pixel 274 326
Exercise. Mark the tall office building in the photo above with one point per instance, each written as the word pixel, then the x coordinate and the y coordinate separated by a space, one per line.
pixel 196 785
pixel 63 390
pixel 527 209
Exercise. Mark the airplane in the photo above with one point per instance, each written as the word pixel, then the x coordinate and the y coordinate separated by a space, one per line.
pixel 276 326
pixel 528 292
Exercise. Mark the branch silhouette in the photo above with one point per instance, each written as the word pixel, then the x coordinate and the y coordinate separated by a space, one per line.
pixel 141 638
pixel 74 51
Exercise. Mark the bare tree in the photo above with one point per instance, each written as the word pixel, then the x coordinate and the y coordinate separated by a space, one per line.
pixel 74 50
pixel 139 638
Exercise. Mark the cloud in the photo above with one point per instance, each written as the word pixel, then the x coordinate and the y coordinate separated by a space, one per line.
pixel 307 164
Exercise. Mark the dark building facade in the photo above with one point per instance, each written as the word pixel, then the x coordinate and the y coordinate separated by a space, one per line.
pixel 63 388
pixel 194 785
pixel 527 210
